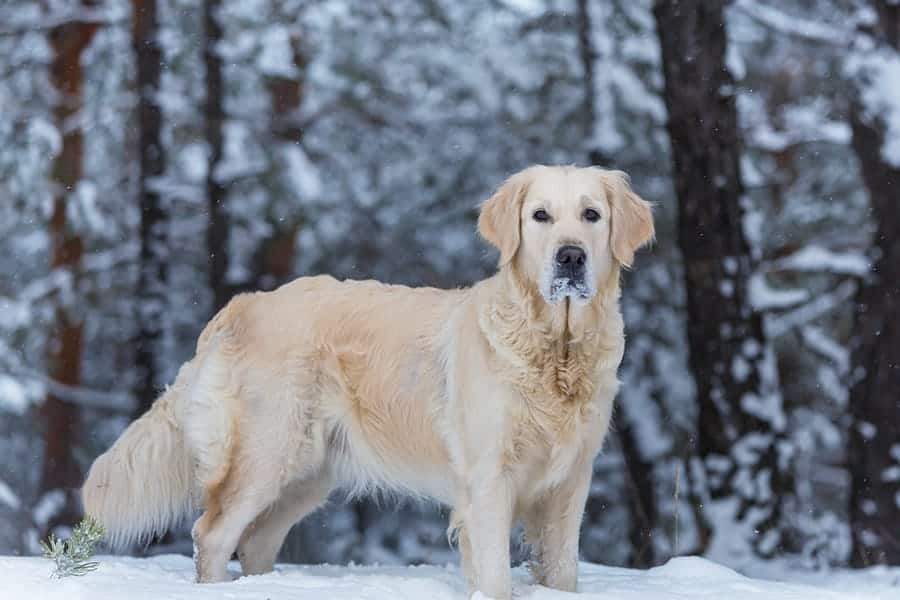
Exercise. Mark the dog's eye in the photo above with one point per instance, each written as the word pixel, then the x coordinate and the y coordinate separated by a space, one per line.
pixel 541 216
pixel 591 215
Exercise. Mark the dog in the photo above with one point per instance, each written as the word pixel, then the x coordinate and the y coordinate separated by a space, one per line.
pixel 494 399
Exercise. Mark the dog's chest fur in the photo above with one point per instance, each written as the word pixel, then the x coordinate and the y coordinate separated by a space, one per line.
pixel 556 377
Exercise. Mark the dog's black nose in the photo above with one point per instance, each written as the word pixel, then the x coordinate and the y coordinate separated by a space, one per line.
pixel 570 256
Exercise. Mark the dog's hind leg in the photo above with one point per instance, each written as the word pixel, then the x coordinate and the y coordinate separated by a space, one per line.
pixel 263 538
pixel 230 509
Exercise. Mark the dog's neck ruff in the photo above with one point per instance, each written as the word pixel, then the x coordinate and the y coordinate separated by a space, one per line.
pixel 552 351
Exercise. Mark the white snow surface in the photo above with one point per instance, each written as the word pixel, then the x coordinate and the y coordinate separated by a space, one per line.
pixel 171 577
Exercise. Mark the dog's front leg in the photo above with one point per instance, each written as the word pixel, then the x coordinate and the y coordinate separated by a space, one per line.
pixel 557 528
pixel 490 521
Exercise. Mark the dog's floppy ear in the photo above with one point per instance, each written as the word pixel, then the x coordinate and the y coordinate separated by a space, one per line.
pixel 631 223
pixel 499 221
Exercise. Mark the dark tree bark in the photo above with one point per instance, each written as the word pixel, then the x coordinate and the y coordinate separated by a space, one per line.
pixel 60 471
pixel 286 98
pixel 741 421
pixel 639 486
pixel 588 54
pixel 217 228
pixel 874 436
pixel 151 298
pixel 273 261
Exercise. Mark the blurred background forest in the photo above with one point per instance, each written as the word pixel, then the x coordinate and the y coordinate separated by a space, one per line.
pixel 159 156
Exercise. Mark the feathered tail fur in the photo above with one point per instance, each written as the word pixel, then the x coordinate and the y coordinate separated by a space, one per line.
pixel 145 482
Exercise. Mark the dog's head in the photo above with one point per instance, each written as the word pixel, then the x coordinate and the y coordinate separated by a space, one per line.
pixel 565 228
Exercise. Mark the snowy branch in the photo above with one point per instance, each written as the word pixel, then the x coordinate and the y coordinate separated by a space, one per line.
pixel 114 402
pixel 777 326
pixel 84 15
pixel 792 25
pixel 814 258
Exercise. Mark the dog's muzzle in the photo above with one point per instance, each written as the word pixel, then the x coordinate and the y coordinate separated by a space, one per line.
pixel 569 274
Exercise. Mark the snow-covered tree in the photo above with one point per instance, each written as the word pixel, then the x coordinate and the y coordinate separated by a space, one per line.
pixel 60 474
pixel 151 300
pixel 874 436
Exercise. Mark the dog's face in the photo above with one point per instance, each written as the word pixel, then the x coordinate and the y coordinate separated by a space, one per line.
pixel 565 228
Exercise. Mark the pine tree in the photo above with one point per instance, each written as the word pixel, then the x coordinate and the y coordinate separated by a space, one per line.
pixel 72 557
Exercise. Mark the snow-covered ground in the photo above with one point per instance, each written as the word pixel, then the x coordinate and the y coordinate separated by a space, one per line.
pixel 170 577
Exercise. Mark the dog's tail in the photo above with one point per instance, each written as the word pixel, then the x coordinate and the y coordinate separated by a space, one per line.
pixel 145 482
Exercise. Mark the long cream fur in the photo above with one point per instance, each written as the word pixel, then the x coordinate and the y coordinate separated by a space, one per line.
pixel 493 399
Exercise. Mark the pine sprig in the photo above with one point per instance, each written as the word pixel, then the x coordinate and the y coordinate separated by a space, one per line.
pixel 73 556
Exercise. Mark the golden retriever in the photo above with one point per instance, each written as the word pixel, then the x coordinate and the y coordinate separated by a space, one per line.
pixel 493 399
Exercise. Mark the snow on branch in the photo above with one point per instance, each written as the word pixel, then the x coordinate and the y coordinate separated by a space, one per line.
pixel 777 326
pixel 877 73
pixel 808 123
pixel 818 259
pixel 18 24
pixel 792 24
pixel 764 297
pixel 820 342
pixel 114 402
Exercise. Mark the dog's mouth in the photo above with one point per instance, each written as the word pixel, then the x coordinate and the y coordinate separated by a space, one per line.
pixel 565 286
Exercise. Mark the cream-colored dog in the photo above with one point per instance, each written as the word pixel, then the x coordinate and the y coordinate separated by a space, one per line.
pixel 494 399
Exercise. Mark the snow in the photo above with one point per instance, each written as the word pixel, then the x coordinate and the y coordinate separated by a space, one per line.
pixel 276 57
pixel 193 161
pixel 878 76
pixel 816 258
pixel 43 132
pixel 8 497
pixel 765 297
pixel 804 123
pixel 48 506
pixel 83 210
pixel 13 397
pixel 301 172
pixel 825 345
pixel 171 577
pixel 778 20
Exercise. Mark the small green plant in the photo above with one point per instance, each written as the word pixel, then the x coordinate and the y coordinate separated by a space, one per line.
pixel 73 556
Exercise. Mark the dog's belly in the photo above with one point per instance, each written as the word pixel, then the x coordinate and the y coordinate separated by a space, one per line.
pixel 374 456
pixel 383 433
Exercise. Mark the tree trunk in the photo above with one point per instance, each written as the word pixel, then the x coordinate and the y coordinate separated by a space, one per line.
pixel 741 420
pixel 640 488
pixel 60 472
pixel 217 228
pixel 874 436
pixel 588 54
pixel 151 298
pixel 273 261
